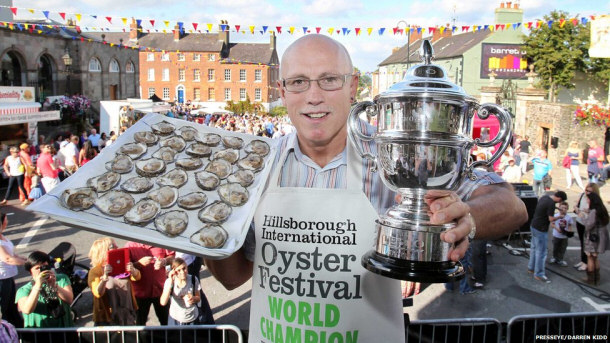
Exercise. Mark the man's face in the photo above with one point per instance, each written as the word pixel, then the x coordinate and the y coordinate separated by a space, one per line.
pixel 319 116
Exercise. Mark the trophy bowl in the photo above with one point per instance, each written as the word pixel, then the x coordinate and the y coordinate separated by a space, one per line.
pixel 423 141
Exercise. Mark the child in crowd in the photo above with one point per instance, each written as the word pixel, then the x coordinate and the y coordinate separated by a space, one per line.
pixel 37 191
pixel 562 229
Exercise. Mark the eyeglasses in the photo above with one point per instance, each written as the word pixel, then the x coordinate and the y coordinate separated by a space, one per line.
pixel 327 83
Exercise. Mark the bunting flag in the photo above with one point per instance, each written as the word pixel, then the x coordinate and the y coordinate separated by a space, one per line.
pixel 357 31
pixel 195 26
pixel 304 30
pixel 62 15
pixel 78 17
pixel 46 14
pixel 279 29
pixel 345 30
pixel 166 22
pixel 210 27
pixel 124 20
pixel 265 29
pixel 152 23
pixel 31 10
pixel 330 31
pixel 381 30
pixel 139 23
pixel 291 30
pixel 252 29
pixel 109 19
pixel 237 27
pixel 318 30
pixel 14 10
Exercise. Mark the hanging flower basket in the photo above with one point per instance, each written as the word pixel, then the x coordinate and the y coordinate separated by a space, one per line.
pixel 74 106
pixel 592 115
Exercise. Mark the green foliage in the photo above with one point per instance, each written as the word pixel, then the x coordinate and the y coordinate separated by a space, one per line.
pixel 364 82
pixel 278 111
pixel 242 107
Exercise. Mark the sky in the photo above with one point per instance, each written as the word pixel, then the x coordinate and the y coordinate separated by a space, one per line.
pixel 367 51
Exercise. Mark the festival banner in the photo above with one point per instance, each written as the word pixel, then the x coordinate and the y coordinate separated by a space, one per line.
pixel 507 61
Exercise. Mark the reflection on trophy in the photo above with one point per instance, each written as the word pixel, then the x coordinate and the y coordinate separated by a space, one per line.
pixel 423 142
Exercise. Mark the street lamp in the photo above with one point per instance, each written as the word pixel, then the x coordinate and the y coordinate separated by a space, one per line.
pixel 408 40
pixel 68 63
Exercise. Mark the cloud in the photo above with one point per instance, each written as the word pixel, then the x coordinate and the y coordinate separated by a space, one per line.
pixel 331 8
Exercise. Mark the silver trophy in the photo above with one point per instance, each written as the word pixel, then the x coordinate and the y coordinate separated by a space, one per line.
pixel 423 140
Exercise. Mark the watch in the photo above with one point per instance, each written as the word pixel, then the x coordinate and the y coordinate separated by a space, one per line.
pixel 473 228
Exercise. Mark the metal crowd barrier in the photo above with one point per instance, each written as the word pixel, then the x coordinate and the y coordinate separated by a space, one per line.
pixel 561 327
pixel 136 334
pixel 453 330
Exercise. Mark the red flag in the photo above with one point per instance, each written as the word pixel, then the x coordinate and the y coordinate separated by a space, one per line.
pixel 529 25
pixel 432 29
pixel 574 21
pixel 14 10
pixel 497 26
pixel 279 29
pixel 395 30
pixel 62 15
pixel 152 22
pixel 318 29
pixel 195 26
pixel 82 39
pixel 237 27
pixel 357 31
pixel 465 28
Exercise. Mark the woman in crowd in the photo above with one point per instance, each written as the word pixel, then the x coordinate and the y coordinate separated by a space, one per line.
pixel 114 301
pixel 596 236
pixel 8 270
pixel 182 292
pixel 87 153
pixel 573 153
pixel 24 153
pixel 581 209
pixel 102 142
pixel 14 167
pixel 45 301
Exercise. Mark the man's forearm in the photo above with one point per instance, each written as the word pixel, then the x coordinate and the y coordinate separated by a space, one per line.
pixel 232 271
pixel 497 210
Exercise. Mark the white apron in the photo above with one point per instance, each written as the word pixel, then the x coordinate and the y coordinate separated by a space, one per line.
pixel 309 284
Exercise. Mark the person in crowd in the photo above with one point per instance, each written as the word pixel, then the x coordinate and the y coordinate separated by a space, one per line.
pixel 14 168
pixel 524 153
pixel 9 261
pixel 181 291
pixel 573 169
pixel 94 138
pixel 562 227
pixel 71 154
pixel 82 139
pixel 151 262
pixel 479 262
pixel 596 236
pixel 542 168
pixel 45 301
pixel 24 153
pixel 87 153
pixel 317 85
pixel 114 299
pixel 41 142
pixel 45 167
pixel 112 138
pixel 8 333
pixel 102 142
pixel 56 143
pixel 581 208
pixel 544 215
pixel 194 268
pixel 512 172
pixel 37 189
pixel 595 159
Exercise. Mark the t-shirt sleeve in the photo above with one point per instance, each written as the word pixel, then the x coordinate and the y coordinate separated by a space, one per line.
pixel 250 244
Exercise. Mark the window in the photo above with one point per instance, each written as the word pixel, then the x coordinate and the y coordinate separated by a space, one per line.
pixel 242 75
pixel 211 75
pixel 165 57
pixel 95 65
pixel 181 57
pixel 227 93
pixel 258 75
pixel 181 74
pixel 150 56
pixel 196 57
pixel 242 94
pixel 130 68
pixel 211 94
pixel 151 91
pixel 258 95
pixel 197 94
pixel 151 74
pixel 165 93
pixel 211 57
pixel 114 66
pixel 196 75
pixel 227 74
pixel 165 76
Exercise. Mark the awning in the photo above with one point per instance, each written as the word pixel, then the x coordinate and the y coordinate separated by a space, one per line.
pixel 24 112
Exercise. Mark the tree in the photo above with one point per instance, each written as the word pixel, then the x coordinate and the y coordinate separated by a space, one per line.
pixel 278 111
pixel 241 107
pixel 364 82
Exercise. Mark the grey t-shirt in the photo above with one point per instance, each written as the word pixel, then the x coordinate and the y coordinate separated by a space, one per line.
pixel 177 306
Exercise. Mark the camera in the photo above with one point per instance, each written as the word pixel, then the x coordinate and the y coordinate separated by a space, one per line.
pixel 44 267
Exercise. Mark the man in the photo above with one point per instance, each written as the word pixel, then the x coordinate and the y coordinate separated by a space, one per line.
pixel 70 152
pixel 542 168
pixel 94 137
pixel 524 153
pixel 47 169
pixel 327 281
pixel 543 216
pixel 595 159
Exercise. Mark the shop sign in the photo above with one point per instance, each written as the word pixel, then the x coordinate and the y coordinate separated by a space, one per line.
pixel 507 61
pixel 16 94
pixel 7 119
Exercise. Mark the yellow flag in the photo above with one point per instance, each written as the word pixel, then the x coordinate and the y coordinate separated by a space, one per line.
pixel 442 29
pixel 330 30
pixel 27 26
pixel 78 17
pixel 252 29
pixel 291 30
pixel 369 30
pixel 124 21
pixel 210 27
pixel 166 22
pixel 111 44
pixel 31 10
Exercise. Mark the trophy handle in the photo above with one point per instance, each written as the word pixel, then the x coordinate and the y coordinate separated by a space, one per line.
pixel 502 136
pixel 353 130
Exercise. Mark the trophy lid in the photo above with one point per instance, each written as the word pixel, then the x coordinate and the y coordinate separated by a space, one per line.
pixel 425 79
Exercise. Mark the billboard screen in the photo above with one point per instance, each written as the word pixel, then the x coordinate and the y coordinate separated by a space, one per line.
pixel 508 61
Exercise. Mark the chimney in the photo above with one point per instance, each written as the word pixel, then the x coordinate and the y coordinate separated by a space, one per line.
pixel 177 33
pixel 134 33
pixel 223 35
pixel 395 49
pixel 414 35
pixel 272 41
pixel 438 35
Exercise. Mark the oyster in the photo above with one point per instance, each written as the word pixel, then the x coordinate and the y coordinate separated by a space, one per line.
pixel 78 199
pixel 191 163
pixel 189 133
pixel 121 164
pixel 137 184
pixel 252 162
pixel 221 168
pixel 175 178
pixel 166 154
pixel 242 176
pixel 133 150
pixel 229 155
pixel 142 212
pixel 258 147
pixel 193 200
pixel 217 212
pixel 232 142
pixel 210 236
pixel 163 128
pixel 115 203
pixel 175 142
pixel 233 194
pixel 166 196
pixel 172 223
pixel 206 180
pixel 150 167
pixel 210 139
pixel 198 150
pixel 104 182
pixel 146 137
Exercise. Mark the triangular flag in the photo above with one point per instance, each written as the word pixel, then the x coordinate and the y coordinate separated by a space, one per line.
pixel 381 30
pixel 195 26
pixel 574 21
pixel 583 20
pixel 550 23
pixel 453 28
pixel 265 29
pixel 369 30
pixel 94 16
pixel 14 10
pixel 152 23
pixel 31 10
pixel 465 28
pixel 138 22
pixel 279 29
pixel 592 17
pixel 431 29
pixel 442 29
pixel 291 30
pixel 62 15
pixel 330 30
pixel 318 29
pixel 395 29
pixel 419 30
pixel 357 31
pixel 538 23
pixel 485 27
pixel 46 14
pixel 210 27
pixel 497 26
pixel 109 19
pixel 166 22
pixel 251 29
pixel 124 20
pixel 304 29
pixel 237 27
pixel 78 17
pixel 180 26
pixel 345 31
pixel 111 44
pixel 27 26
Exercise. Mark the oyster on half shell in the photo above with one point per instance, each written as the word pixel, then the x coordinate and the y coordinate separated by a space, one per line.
pixel 166 154
pixel 216 212
pixel 175 142
pixel 137 184
pixel 198 150
pixel 189 133
pixel 258 147
pixel 146 137
pixel 172 223
pixel 115 203
pixel 78 199
pixel 104 182
pixel 121 164
pixel 193 200
pixel 143 212
pixel 232 142
pixel 166 196
pixel 190 163
pixel 233 194
pixel 210 236
pixel 150 167
pixel 221 168
pixel 163 128
pixel 252 162
pixel 210 139
pixel 206 180
pixel 242 176
pixel 229 155
pixel 133 150
pixel 175 178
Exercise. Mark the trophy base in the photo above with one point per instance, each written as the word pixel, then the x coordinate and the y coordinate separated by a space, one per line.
pixel 427 272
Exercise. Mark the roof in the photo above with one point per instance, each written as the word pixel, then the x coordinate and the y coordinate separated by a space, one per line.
pixel 446 47
pixel 251 52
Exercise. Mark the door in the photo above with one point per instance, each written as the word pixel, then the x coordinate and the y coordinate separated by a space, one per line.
pixel 114 92
pixel 545 139
pixel 181 96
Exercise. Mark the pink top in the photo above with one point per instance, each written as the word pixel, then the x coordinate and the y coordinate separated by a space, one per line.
pixel 45 163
